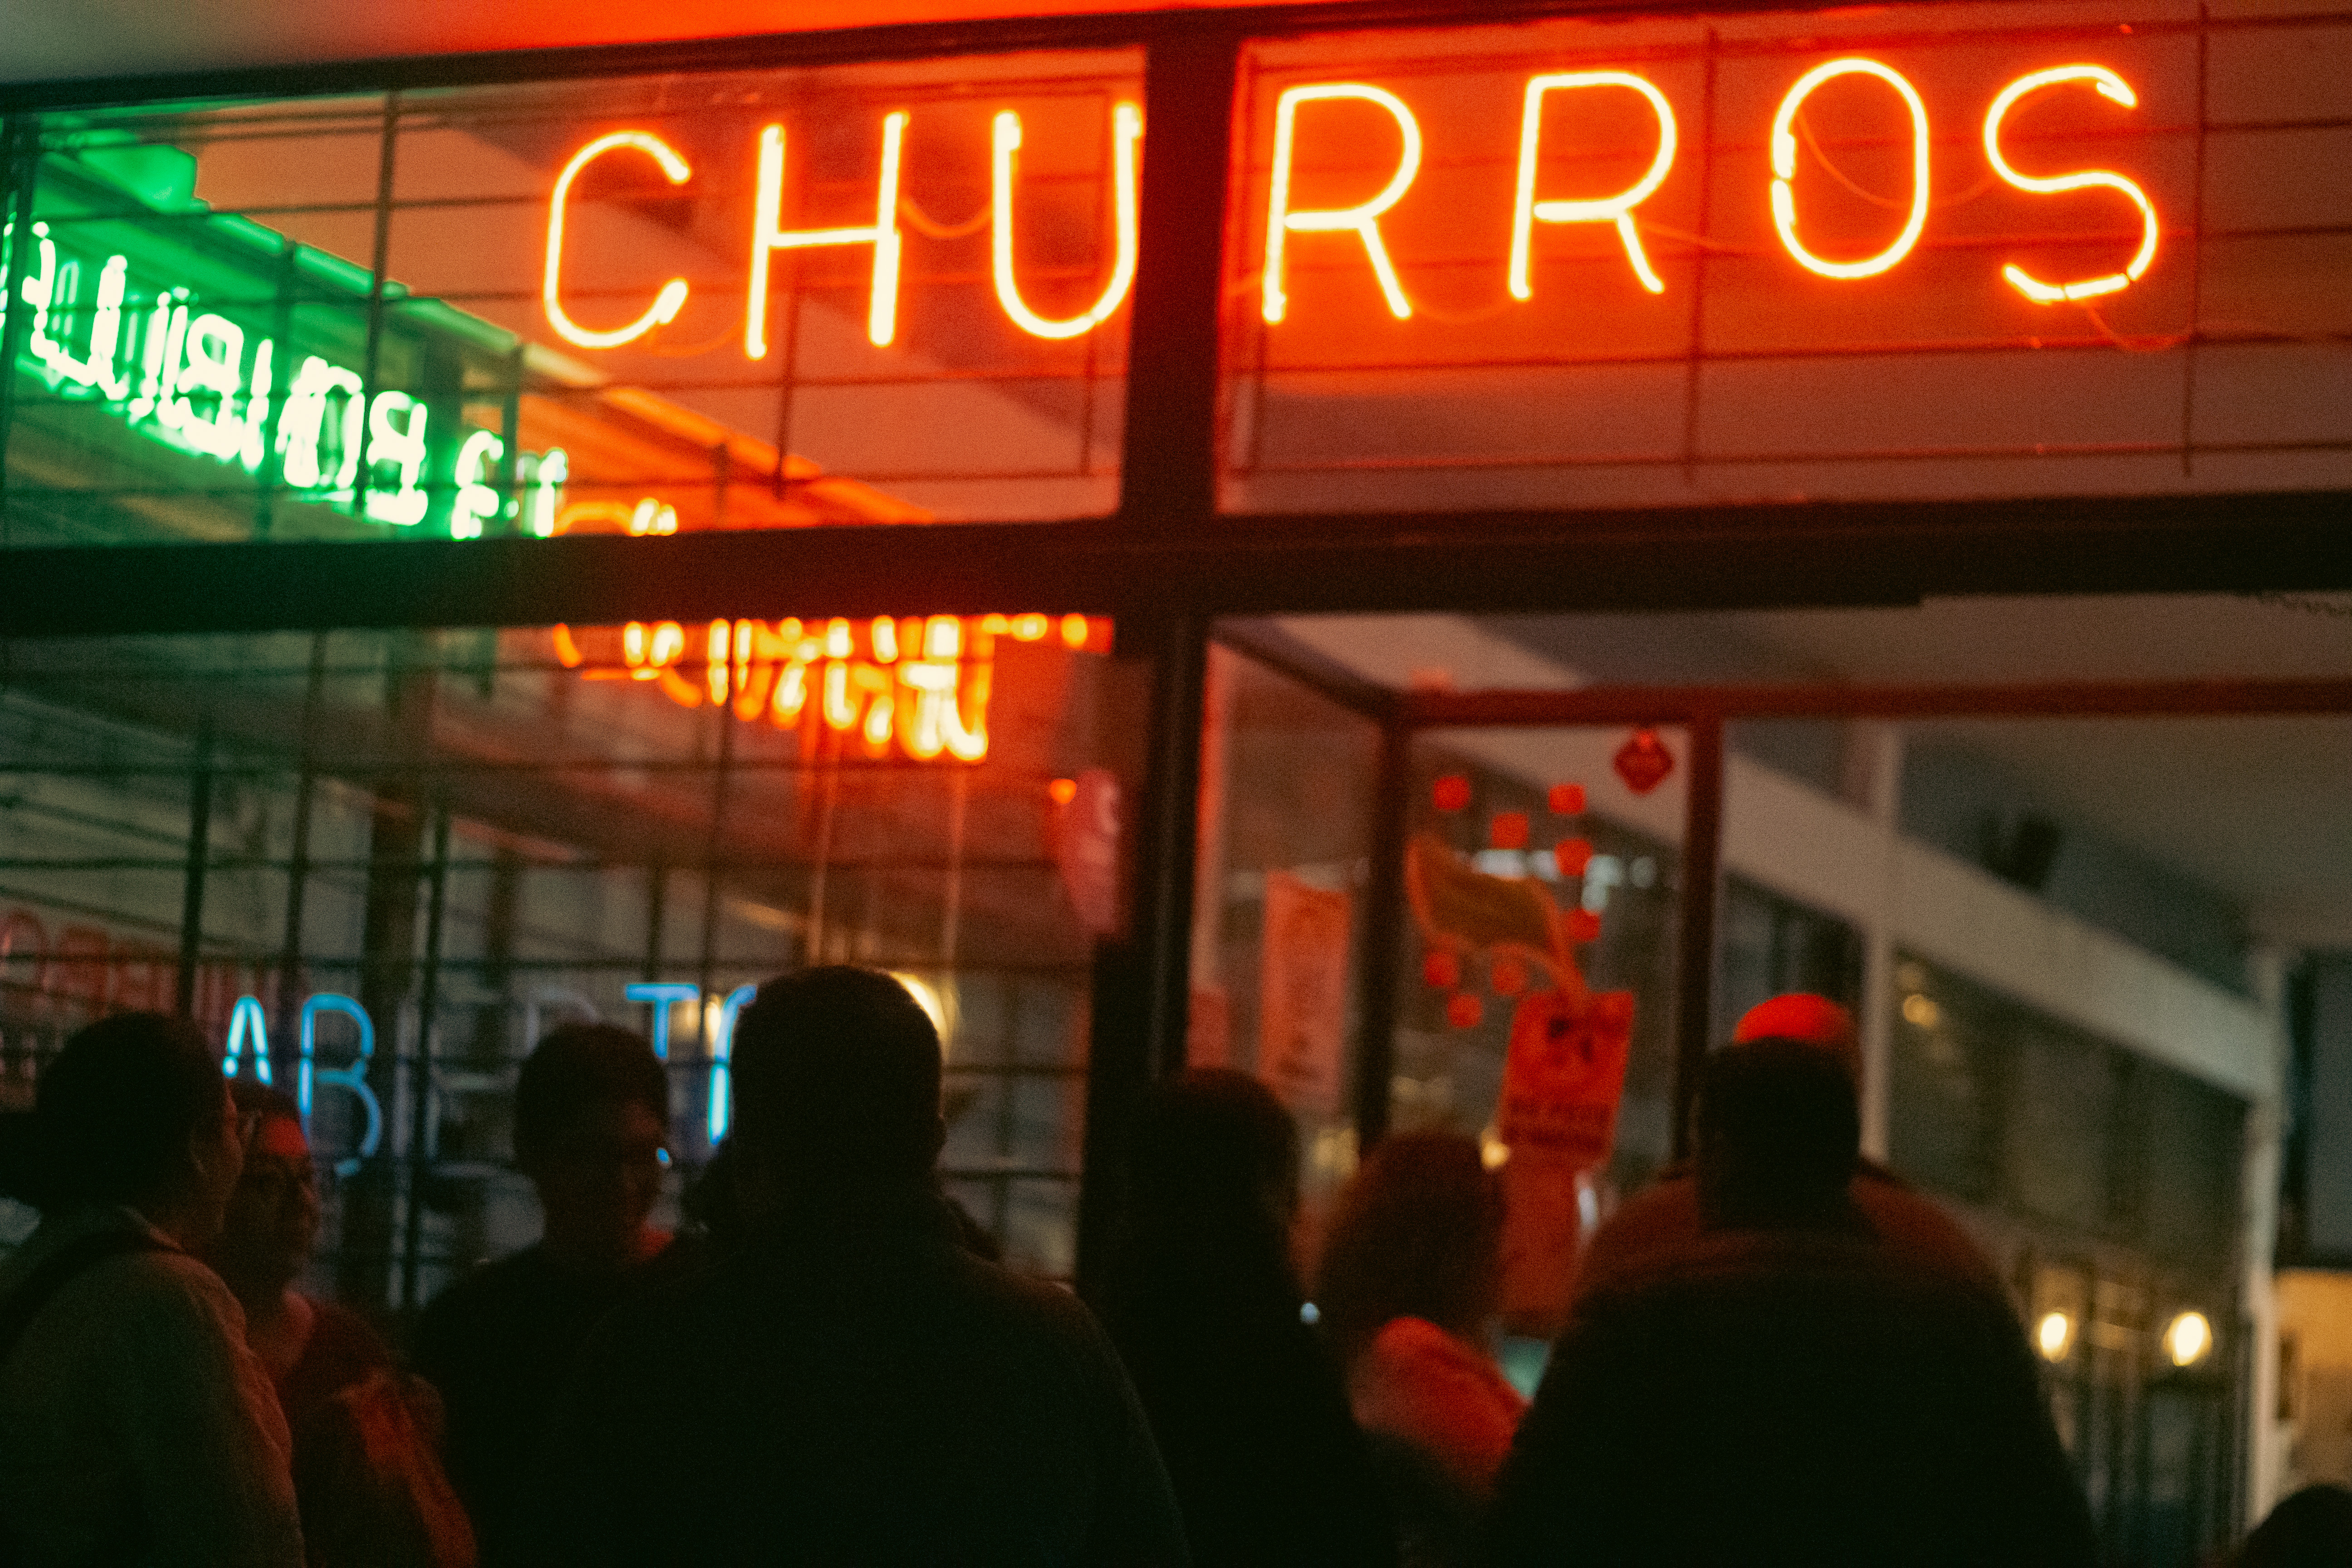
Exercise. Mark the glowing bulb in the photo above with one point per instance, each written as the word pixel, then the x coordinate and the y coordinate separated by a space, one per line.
pixel 1921 1011
pixel 672 297
pixel 2052 1334
pixel 1527 212
pixel 1127 129
pixel 1363 217
pixel 2110 86
pixel 768 237
pixel 1784 169
pixel 2188 1337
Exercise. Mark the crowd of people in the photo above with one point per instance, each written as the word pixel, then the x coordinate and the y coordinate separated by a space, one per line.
pixel 1777 1354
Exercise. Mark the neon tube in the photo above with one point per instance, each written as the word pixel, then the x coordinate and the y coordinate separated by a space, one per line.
pixel 2112 87
pixel 672 297
pixel 1527 212
pixel 768 236
pixel 1127 129
pixel 1363 217
pixel 1784 170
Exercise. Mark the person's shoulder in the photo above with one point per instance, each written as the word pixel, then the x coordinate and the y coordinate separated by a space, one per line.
pixel 350 1337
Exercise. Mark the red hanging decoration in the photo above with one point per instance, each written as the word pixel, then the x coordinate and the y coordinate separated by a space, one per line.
pixel 1643 761
pixel 1572 856
pixel 1464 1011
pixel 1583 925
pixel 1566 799
pixel 1442 969
pixel 1508 830
pixel 1451 792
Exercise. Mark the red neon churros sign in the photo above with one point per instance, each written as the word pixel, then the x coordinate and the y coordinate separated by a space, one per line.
pixel 1310 114
pixel 916 685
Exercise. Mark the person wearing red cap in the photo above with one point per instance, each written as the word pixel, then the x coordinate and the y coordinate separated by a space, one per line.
pixel 1667 1212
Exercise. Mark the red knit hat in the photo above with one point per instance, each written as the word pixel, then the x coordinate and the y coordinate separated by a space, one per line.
pixel 1808 1019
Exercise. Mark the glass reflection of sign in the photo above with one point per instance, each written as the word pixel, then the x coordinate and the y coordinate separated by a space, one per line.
pixel 917 685
pixel 1302 113
pixel 193 344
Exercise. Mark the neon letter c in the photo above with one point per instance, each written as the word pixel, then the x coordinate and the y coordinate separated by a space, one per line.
pixel 667 304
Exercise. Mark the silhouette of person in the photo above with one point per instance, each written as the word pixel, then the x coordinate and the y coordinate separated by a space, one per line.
pixel 848 1382
pixel 1204 1307
pixel 1785 1385
pixel 1665 1214
pixel 2310 1529
pixel 590 1123
pixel 135 1423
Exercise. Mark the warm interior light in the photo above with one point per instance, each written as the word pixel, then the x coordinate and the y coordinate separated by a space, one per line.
pixel 1363 217
pixel 672 297
pixel 1527 212
pixel 2052 1334
pixel 1127 129
pixel 1061 792
pixel 2110 86
pixel 768 236
pixel 2188 1337
pixel 1921 1011
pixel 933 1001
pixel 1784 169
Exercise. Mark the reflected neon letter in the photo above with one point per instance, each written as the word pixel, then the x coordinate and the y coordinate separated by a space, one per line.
pixel 245 1026
pixel 353 1077
pixel 768 236
pixel 672 297
pixel 722 1046
pixel 659 994
pixel 1363 217
pixel 2110 86
pixel 1127 129
pixel 1527 212
pixel 1784 169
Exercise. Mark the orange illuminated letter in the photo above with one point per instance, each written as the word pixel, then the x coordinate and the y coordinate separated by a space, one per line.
pixel 767 237
pixel 666 304
pixel 1364 217
pixel 1527 212
pixel 1127 129
pixel 1784 169
pixel 2110 86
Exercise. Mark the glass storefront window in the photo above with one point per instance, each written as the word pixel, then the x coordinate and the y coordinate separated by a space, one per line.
pixel 647 305
pixel 1941 252
pixel 1279 916
pixel 377 865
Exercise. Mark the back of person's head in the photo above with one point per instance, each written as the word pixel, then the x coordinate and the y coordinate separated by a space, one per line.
pixel 116 1115
pixel 1779 1133
pixel 1213 1183
pixel 2309 1529
pixel 580 1068
pixel 1211 1139
pixel 1417 1232
pixel 836 1079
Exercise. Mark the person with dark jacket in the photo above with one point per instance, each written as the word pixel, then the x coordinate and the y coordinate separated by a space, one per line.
pixel 1784 1386
pixel 590 1125
pixel 1204 1306
pixel 848 1382
pixel 136 1427
pixel 1665 1214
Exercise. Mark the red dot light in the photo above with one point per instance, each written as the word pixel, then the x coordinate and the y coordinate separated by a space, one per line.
pixel 1451 792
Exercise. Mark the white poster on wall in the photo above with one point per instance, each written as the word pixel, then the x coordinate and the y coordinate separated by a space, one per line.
pixel 1303 991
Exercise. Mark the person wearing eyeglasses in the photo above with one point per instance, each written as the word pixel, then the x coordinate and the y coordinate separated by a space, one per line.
pixel 367 1472
pixel 591 1125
